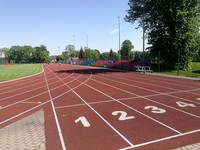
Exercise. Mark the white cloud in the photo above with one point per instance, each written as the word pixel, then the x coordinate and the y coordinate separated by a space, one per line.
pixel 113 31
pixel 2 46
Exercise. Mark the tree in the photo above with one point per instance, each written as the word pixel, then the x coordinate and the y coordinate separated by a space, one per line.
pixel 40 54
pixel 105 56
pixel 65 55
pixel 81 53
pixel 87 53
pixel 27 54
pixel 111 54
pixel 126 49
pixel 172 27
pixel 95 54
pixel 91 53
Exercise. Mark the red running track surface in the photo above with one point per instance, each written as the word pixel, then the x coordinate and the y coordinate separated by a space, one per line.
pixel 91 108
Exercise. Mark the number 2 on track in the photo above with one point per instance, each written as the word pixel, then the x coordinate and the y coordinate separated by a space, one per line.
pixel 84 121
pixel 123 115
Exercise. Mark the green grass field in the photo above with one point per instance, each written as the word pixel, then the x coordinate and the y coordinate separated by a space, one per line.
pixel 10 72
pixel 194 72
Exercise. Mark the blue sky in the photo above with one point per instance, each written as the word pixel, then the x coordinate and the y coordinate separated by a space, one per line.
pixel 57 23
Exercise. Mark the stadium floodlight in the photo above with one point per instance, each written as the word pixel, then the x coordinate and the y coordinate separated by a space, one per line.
pixel 74 41
pixel 143 28
pixel 119 37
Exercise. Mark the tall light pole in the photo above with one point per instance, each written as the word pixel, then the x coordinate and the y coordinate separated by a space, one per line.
pixel 74 41
pixel 119 36
pixel 87 40
pixel 143 33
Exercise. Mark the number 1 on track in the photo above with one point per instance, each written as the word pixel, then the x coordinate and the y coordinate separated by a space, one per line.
pixel 84 121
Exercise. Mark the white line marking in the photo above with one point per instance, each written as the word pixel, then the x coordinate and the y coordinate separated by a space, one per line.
pixel 2 122
pixel 55 116
pixel 136 110
pixel 31 102
pixel 104 120
pixel 162 139
pixel 97 112
pixel 146 97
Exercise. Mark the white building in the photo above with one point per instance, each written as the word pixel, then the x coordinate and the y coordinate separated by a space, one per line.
pixel 2 55
pixel 69 48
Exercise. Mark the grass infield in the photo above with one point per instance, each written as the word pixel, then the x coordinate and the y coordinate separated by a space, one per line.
pixel 193 72
pixel 10 72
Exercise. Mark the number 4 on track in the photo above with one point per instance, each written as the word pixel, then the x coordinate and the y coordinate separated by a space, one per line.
pixel 183 104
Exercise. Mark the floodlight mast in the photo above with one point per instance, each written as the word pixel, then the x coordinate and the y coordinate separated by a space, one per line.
pixel 87 40
pixel 143 34
pixel 74 41
pixel 119 37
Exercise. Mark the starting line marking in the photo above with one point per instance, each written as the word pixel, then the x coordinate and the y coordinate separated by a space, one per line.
pixel 162 139
pixel 198 99
pixel 31 102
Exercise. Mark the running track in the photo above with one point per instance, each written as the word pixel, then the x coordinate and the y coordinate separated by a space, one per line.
pixel 91 108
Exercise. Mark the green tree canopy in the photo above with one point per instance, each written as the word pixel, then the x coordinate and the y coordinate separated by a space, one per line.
pixel 126 49
pixel 81 56
pixel 40 54
pixel 172 27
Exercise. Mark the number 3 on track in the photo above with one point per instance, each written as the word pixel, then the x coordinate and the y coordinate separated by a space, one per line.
pixel 155 109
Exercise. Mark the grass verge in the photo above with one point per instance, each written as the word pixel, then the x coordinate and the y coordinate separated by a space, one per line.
pixel 10 72
pixel 194 72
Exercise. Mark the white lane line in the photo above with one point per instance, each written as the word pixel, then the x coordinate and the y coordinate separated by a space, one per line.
pixel 40 105
pixel 141 82
pixel 55 116
pixel 31 102
pixel 149 98
pixel 198 99
pixel 162 79
pixel 98 113
pixel 21 85
pixel 162 139
pixel 36 89
pixel 104 120
pixel 22 93
pixel 136 110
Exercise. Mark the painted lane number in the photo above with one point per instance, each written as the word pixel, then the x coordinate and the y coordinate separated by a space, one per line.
pixel 84 121
pixel 122 115
pixel 155 109
pixel 183 104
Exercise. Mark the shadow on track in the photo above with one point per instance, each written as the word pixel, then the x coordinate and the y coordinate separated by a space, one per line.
pixel 90 71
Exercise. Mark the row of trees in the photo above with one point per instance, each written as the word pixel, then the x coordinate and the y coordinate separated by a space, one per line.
pixel 87 53
pixel 26 54
pixel 172 28
pixel 40 54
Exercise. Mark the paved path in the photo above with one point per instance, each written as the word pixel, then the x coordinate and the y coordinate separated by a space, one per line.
pixel 25 134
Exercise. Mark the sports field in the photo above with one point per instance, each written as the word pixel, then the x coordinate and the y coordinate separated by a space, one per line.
pixel 75 107
pixel 10 72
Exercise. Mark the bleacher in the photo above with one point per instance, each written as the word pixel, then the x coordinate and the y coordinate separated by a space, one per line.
pixel 102 63
pixel 87 62
pixel 126 65
pixel 121 64
pixel 78 61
